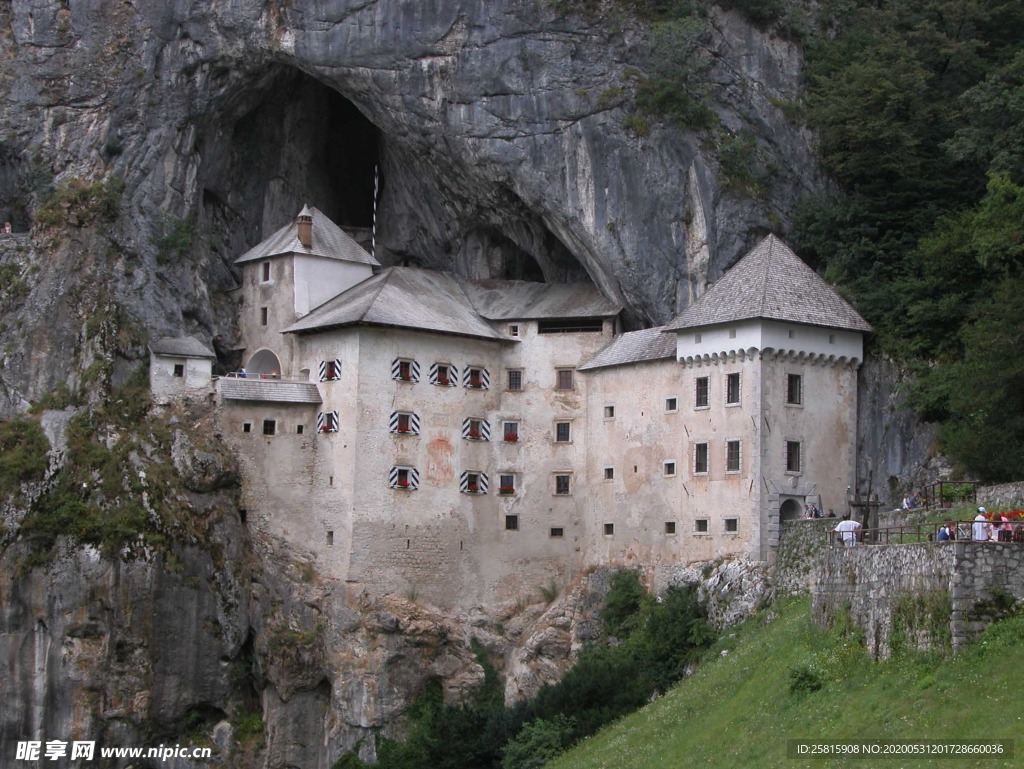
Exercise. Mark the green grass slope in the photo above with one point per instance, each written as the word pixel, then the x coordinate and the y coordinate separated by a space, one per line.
pixel 777 678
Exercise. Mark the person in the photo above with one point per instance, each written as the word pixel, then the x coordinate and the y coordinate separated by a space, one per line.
pixel 847 530
pixel 7 228
pixel 906 503
pixel 945 533
pixel 831 514
pixel 981 528
pixel 241 373
pixel 1004 529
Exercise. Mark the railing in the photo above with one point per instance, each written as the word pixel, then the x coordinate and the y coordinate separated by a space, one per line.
pixel 264 377
pixel 916 533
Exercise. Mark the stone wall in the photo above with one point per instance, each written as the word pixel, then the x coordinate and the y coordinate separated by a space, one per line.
pixel 919 596
pixel 800 545
pixel 1003 495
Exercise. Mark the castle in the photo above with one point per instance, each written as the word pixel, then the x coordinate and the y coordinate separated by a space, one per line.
pixel 469 441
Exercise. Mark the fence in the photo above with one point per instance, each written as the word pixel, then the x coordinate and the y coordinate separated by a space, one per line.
pixel 914 533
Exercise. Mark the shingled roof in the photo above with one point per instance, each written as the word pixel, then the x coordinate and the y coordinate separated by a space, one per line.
pixel 634 347
pixel 403 297
pixel 771 282
pixel 181 347
pixel 329 241
pixel 520 300
pixel 275 391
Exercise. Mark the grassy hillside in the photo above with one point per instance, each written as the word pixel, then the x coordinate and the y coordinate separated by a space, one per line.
pixel 758 689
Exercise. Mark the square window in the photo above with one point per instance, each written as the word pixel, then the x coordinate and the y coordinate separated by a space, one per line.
pixel 670 527
pixel 473 482
pixel 404 425
pixel 506 484
pixel 511 523
pixel 671 405
pixel 477 379
pixel 669 468
pixel 564 379
pixel 510 431
pixel 246 427
pixel 562 487
pixel 792 456
pixel 264 315
pixel 732 456
pixel 794 389
pixel 402 480
pixel 700 458
pixel 331 371
pixel 557 532
pixel 476 430
pixel 609 473
pixel 609 412
pixel 609 529
pixel 732 389
pixel 732 525
pixel 265 272
pixel 562 432
pixel 269 426
pixel 405 370
pixel 513 330
pixel 701 526
pixel 179 369
pixel 700 387
pixel 515 379
pixel 443 374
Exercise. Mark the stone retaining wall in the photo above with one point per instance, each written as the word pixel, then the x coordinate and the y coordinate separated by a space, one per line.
pixel 1003 495
pixel 800 544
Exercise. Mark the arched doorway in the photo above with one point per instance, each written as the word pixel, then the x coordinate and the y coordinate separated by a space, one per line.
pixel 790 510
pixel 264 363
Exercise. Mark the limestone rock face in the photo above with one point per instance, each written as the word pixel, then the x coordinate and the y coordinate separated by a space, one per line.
pixel 730 590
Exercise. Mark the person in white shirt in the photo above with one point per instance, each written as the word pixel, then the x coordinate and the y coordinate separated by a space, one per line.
pixel 847 530
pixel 981 529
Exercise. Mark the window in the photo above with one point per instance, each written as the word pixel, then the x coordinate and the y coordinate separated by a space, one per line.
pixel 330 370
pixel 792 334
pixel 670 527
pixel 444 375
pixel 269 426
pixel 404 423
pixel 246 427
pixel 562 487
pixel 831 338
pixel 792 456
pixel 701 526
pixel 511 523
pixel 609 412
pixel 732 333
pixel 732 389
pixel 671 405
pixel 563 432
pixel 475 429
pixel 404 478
pixel 609 529
pixel 477 378
pixel 327 422
pixel 510 432
pixel 473 482
pixel 732 456
pixel 515 379
pixel 732 525
pixel 405 370
pixel 263 316
pixel 506 484
pixel 696 338
pixel 563 379
pixel 609 473
pixel 300 429
pixel 794 389
pixel 669 468
pixel 700 458
pixel 570 326
pixel 265 272
pixel 513 329
pixel 700 387
pixel 330 539
pixel 179 369
pixel 557 532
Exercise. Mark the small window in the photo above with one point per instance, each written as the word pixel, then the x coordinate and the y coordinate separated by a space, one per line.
pixel 404 478
pixel 732 389
pixel 264 316
pixel 246 427
pixel 732 333
pixel 670 527
pixel 515 379
pixel 671 405
pixel 609 473
pixel 327 422
pixel 732 456
pixel 506 484
pixel 557 532
pixel 701 526
pixel 700 458
pixel 562 486
pixel 792 456
pixel 473 483
pixel 300 429
pixel 269 426
pixel 513 329
pixel 564 379
pixel 609 412
pixel 476 429
pixel 511 523
pixel 700 386
pixel 669 468
pixel 794 389
pixel 792 334
pixel 563 433
pixel 609 529
pixel 510 432
pixel 477 378
pixel 405 370
pixel 732 525
pixel 330 370
pixel 403 424
pixel 443 375
pixel 179 369
pixel 696 338
pixel 831 338
pixel 330 539
pixel 265 275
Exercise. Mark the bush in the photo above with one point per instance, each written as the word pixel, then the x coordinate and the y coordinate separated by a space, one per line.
pixel 78 202
pixel 538 742
pixel 23 455
pixel 803 679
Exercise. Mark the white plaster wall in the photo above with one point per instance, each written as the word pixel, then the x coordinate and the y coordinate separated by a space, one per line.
pixel 278 296
pixel 162 382
pixel 318 279
pixel 759 334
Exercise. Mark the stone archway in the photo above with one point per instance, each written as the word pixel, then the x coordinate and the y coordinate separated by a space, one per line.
pixel 790 510
pixel 263 363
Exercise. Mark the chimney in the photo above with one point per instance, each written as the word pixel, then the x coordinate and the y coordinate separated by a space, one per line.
pixel 305 227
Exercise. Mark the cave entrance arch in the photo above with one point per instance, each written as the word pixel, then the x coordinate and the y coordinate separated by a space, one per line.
pixel 264 363
pixel 790 510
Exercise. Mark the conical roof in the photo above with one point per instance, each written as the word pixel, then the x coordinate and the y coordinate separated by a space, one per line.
pixel 329 241
pixel 771 282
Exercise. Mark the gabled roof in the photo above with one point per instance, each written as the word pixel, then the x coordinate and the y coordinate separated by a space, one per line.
pixel 181 347
pixel 771 282
pixel 329 241
pixel 238 389
pixel 403 297
pixel 520 300
pixel 634 347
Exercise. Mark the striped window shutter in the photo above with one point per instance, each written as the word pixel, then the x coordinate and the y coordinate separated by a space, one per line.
pixel 481 483
pixel 484 378
pixel 414 422
pixel 327 422
pixel 467 429
pixel 412 477
pixel 453 374
pixel 330 370
pixel 414 369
